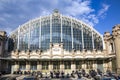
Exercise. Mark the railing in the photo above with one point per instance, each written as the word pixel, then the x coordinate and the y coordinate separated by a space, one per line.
pixel 64 54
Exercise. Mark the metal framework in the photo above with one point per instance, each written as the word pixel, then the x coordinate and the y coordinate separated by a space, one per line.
pixel 22 28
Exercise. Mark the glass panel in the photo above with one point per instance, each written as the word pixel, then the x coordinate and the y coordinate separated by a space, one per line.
pixel 23 41
pixel 56 30
pixel 34 36
pixel 77 39
pixel 87 34
pixel 23 38
pixel 67 38
pixel 45 34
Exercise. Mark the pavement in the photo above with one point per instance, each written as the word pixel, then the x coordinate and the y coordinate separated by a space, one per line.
pixel 8 77
pixel 20 77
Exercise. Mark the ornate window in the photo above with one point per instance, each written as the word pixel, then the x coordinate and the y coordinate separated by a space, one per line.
pixel 33 66
pixel 56 65
pixel 78 65
pixel 45 65
pixel 67 64
pixel 22 65
pixel 89 64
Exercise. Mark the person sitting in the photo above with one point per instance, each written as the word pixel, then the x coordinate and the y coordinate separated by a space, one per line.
pixel 67 75
pixel 99 72
pixel 62 74
pixel 73 74
pixel 51 74
pixel 83 72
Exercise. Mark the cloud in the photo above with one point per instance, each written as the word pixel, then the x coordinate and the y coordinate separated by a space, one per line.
pixel 17 12
pixel 8 29
pixel 102 12
pixel 90 19
pixel 79 8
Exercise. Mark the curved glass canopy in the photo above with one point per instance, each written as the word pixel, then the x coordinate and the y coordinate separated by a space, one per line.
pixel 56 28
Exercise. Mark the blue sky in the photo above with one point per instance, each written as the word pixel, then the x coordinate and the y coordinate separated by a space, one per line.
pixel 101 14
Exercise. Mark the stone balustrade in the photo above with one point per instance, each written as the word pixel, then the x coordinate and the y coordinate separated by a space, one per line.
pixel 37 54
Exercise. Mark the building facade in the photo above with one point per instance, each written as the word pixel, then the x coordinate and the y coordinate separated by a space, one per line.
pixel 61 43
pixel 3 38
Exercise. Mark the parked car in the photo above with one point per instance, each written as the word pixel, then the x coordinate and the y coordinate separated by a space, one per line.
pixel 29 78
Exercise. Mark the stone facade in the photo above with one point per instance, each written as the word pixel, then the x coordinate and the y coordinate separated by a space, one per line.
pixel 56 58
pixel 116 39
pixel 112 42
pixel 2 48
pixel 56 54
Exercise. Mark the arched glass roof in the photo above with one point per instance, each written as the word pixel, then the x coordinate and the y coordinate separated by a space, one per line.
pixel 56 28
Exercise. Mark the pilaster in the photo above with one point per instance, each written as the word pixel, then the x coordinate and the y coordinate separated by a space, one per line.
pixel 27 65
pixel 39 66
pixel 16 66
pixel 116 37
pixel 50 66
pixel 61 65
pixel 94 65
pixel 83 65
pixel 73 66
pixel 105 65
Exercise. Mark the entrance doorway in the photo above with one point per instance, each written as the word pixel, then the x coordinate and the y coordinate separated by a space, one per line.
pixel 56 65
pixel 100 65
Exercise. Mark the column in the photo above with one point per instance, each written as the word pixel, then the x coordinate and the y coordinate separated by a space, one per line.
pixel 61 29
pixel 72 33
pixel 94 65
pixel 39 66
pixel 40 34
pixel 61 65
pixel 29 35
pixel 50 28
pixel 82 38
pixel 92 39
pixel 105 65
pixel 110 64
pixel 83 65
pixel 12 68
pixel 18 38
pixel 73 66
pixel 116 36
pixel 27 65
pixel 16 66
pixel 50 66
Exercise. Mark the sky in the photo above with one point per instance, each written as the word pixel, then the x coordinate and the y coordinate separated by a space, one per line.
pixel 100 14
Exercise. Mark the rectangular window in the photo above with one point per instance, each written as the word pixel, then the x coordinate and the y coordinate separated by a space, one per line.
pixel 67 64
pixel 45 65
pixel 78 65
pixel 22 65
pixel 89 64
pixel 56 65
pixel 33 66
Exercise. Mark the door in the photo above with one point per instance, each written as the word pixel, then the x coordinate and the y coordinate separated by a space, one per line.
pixel 100 65
pixel 56 65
